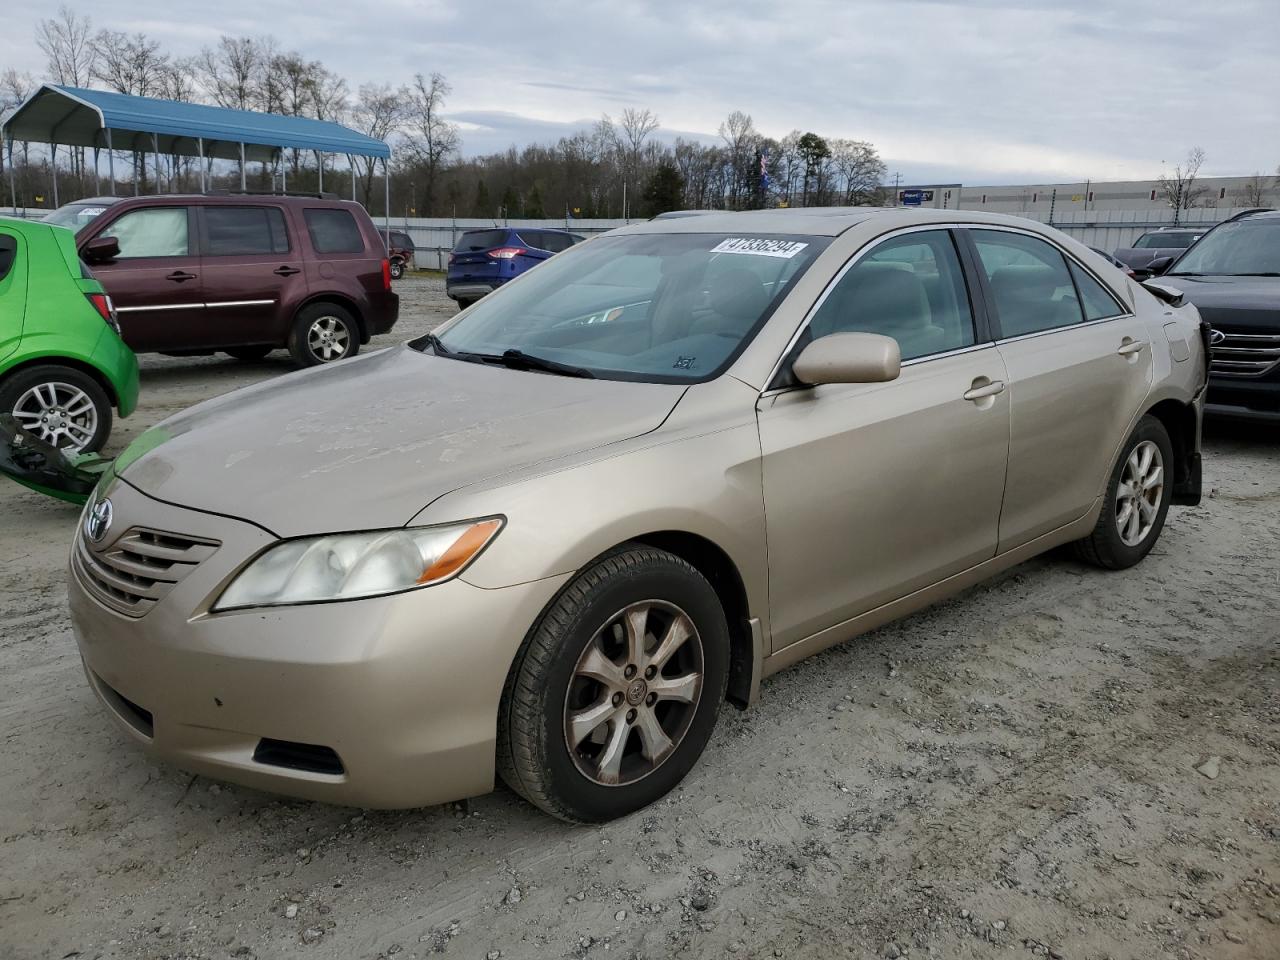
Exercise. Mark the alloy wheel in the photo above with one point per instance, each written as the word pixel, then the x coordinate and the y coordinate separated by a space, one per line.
pixel 60 414
pixel 1139 493
pixel 328 339
pixel 634 693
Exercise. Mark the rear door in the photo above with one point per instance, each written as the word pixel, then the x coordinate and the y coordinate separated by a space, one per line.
pixel 155 282
pixel 1079 365
pixel 251 268
pixel 13 290
pixel 471 262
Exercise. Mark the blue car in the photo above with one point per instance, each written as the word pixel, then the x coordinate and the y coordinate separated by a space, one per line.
pixel 483 260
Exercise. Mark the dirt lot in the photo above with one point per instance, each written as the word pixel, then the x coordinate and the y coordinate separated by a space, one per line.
pixel 1060 763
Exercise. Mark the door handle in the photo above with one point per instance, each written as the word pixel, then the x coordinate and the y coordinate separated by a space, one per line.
pixel 984 391
pixel 285 271
pixel 1129 347
pixel 178 276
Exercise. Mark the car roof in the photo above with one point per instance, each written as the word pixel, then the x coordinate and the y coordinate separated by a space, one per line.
pixel 820 221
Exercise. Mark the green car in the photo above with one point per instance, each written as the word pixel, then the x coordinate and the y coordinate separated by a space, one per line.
pixel 63 365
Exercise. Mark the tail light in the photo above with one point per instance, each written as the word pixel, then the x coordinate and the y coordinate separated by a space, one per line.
pixel 106 309
pixel 506 253
pixel 386 274
pixel 452 257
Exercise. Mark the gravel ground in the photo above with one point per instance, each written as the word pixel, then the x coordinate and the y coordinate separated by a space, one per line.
pixel 1059 763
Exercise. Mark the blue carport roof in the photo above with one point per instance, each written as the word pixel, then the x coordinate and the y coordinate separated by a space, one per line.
pixel 78 117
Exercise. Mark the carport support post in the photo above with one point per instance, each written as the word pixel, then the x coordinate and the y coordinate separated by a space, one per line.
pixel 97 178
pixel 155 145
pixel 386 210
pixel 242 166
pixel 200 147
pixel 53 171
pixel 320 166
pixel 111 163
pixel 351 162
pixel 13 180
pixel 284 181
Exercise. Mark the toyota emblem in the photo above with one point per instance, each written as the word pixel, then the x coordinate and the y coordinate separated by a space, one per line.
pixel 1216 337
pixel 98 522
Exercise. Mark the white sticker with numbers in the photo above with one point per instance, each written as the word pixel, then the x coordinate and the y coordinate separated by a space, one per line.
pixel 758 247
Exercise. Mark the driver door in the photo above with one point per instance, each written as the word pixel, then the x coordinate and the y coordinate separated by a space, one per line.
pixel 873 491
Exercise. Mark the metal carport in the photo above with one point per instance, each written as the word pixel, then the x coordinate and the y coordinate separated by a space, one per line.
pixel 75 117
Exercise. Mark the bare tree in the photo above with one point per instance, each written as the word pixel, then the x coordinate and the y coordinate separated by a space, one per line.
pixel 1253 192
pixel 740 139
pixel 67 43
pixel 131 64
pixel 1180 190
pixel 431 140
pixel 860 170
pixel 229 72
pixel 378 112
pixel 15 88
pixel 636 126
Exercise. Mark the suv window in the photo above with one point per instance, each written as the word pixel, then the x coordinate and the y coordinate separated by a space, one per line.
pixel 910 288
pixel 1097 301
pixel 477 240
pixel 555 242
pixel 401 240
pixel 8 253
pixel 1029 281
pixel 333 231
pixel 152 232
pixel 244 230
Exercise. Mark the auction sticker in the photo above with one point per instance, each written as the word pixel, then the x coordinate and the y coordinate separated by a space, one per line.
pixel 759 247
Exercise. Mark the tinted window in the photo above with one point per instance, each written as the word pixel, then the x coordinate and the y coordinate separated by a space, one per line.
pixel 152 232
pixel 654 307
pixel 555 242
pixel 533 238
pixel 1239 248
pixel 1029 282
pixel 1169 241
pixel 402 240
pixel 334 231
pixel 910 288
pixel 480 240
pixel 1097 302
pixel 244 230
pixel 8 253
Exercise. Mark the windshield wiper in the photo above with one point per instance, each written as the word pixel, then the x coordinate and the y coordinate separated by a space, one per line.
pixel 519 360
pixel 1267 273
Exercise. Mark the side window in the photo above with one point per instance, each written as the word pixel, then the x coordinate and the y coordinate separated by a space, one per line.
pixel 1098 303
pixel 334 231
pixel 151 232
pixel 8 253
pixel 533 238
pixel 1029 281
pixel 244 230
pixel 555 242
pixel 910 288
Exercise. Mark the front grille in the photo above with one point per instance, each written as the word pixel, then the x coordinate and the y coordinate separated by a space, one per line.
pixel 1245 354
pixel 136 571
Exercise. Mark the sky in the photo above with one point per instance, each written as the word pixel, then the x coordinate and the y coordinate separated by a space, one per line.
pixel 967 91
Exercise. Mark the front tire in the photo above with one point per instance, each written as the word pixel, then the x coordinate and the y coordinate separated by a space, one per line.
pixel 615 692
pixel 1138 496
pixel 323 333
pixel 62 406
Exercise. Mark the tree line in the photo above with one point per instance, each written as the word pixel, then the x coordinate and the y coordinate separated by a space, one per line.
pixel 616 167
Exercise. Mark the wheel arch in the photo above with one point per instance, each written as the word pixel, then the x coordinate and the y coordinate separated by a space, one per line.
pixel 341 300
pixel 61 360
pixel 1181 423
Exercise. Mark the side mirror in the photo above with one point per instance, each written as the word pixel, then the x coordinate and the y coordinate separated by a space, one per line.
pixel 1158 266
pixel 849 358
pixel 102 249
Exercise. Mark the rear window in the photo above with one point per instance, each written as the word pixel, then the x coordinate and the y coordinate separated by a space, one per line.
pixel 334 231
pixel 401 240
pixel 480 240
pixel 8 253
pixel 244 230
pixel 1168 240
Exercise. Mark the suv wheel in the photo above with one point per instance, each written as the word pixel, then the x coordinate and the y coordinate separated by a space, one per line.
pixel 615 692
pixel 1138 497
pixel 60 405
pixel 397 269
pixel 323 333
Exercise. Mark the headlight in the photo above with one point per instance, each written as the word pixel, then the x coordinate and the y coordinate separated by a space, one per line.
pixel 346 566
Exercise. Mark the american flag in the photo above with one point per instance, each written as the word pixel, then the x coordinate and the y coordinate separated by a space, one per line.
pixel 764 169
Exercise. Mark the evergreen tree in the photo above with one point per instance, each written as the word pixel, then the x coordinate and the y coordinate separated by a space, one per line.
pixel 664 190
pixel 482 200
pixel 533 209
pixel 510 202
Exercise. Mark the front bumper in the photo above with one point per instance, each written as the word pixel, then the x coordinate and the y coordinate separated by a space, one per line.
pixel 1241 398
pixel 404 690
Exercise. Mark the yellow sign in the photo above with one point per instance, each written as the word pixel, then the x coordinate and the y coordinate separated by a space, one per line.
pixel 1077 197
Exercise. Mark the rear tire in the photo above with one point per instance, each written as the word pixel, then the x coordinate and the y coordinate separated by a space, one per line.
pixel 397 269
pixel 323 333
pixel 463 302
pixel 248 354
pixel 615 692
pixel 60 405
pixel 1138 496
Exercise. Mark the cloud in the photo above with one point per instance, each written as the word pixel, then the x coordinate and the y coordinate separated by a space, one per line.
pixel 973 90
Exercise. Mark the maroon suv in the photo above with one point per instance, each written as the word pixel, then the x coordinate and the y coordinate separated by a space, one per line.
pixel 239 273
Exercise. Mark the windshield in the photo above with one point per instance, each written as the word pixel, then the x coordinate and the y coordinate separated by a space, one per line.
pixel 663 308
pixel 1242 248
pixel 1167 241
pixel 75 215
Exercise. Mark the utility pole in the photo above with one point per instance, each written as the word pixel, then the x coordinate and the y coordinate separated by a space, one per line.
pixel 897 180
pixel 1053 202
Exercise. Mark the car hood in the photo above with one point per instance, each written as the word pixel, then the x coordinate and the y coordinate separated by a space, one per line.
pixel 1139 257
pixel 1232 303
pixel 367 443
